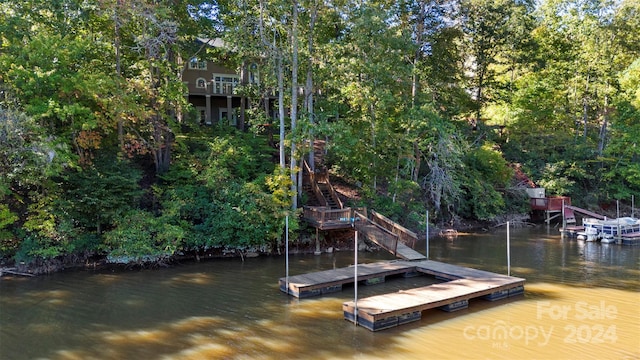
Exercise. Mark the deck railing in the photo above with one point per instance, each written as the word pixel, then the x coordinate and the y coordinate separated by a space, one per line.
pixel 550 203
pixel 326 218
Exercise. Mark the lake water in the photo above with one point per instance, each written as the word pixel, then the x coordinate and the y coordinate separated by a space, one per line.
pixel 582 301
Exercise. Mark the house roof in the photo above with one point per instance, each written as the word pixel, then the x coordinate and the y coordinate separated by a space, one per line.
pixel 216 43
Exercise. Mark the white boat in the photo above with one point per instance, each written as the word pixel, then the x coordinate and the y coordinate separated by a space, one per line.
pixel 589 234
pixel 608 240
pixel 609 229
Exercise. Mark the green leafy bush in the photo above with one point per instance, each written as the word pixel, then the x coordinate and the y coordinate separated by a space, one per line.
pixel 139 236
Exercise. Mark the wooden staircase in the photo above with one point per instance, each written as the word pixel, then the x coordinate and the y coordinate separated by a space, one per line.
pixel 389 235
pixel 330 195
pixel 316 184
pixel 324 210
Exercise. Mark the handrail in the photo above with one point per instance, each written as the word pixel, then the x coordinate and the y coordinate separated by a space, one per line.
pixel 394 246
pixel 324 215
pixel 407 236
pixel 335 196
pixel 549 203
pixel 314 184
pixel 315 179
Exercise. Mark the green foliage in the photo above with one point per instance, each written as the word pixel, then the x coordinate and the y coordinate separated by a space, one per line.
pixel 622 181
pixel 221 197
pixel 7 238
pixel 95 196
pixel 233 157
pixel 620 177
pixel 139 236
pixel 26 157
pixel 481 200
pixel 406 209
pixel 396 85
pixel 33 247
pixel 489 165
pixel 630 83
pixel 7 218
pixel 561 178
pixel 60 80
pixel 486 177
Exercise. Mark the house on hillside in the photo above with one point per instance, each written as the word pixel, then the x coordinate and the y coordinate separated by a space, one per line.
pixel 212 89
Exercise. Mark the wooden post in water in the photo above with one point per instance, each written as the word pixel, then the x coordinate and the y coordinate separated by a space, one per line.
pixel 286 252
pixel 618 218
pixel 564 219
pixel 427 236
pixel 355 281
pixel 508 251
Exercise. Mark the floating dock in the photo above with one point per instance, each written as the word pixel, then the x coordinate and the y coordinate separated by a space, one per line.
pixel 328 281
pixel 460 284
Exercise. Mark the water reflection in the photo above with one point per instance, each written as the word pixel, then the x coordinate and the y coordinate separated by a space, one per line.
pixel 234 310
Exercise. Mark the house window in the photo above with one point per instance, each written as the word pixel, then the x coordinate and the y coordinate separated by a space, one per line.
pixel 197 64
pixel 201 83
pixel 224 84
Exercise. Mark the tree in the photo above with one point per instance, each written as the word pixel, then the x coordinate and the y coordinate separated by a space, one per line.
pixel 491 31
pixel 25 159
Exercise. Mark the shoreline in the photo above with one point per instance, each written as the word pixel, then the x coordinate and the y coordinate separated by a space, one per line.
pixel 304 245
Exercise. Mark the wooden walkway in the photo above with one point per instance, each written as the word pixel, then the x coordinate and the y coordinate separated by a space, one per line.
pixel 407 253
pixel 585 212
pixel 460 284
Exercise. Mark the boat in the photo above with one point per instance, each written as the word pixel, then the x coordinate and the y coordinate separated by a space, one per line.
pixel 589 234
pixel 608 240
pixel 449 233
pixel 608 230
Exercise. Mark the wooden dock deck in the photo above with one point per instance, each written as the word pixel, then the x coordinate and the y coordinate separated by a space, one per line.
pixel 323 282
pixel 460 284
pixel 390 310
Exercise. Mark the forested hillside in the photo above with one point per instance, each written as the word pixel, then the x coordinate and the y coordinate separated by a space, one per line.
pixel 424 105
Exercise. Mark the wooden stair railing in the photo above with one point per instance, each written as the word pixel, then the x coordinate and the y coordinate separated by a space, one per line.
pixel 405 235
pixel 311 180
pixel 376 233
pixel 322 188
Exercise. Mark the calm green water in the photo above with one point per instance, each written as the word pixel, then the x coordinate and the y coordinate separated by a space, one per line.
pixel 582 301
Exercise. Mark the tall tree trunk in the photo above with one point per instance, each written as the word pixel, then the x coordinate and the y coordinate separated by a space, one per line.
pixel 116 16
pixel 395 188
pixel 294 102
pixel 585 109
pixel 243 99
pixel 479 95
pixel 418 161
pixel 419 36
pixel 280 70
pixel 277 55
pixel 415 81
pixel 603 128
pixel 373 145
pixel 309 86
